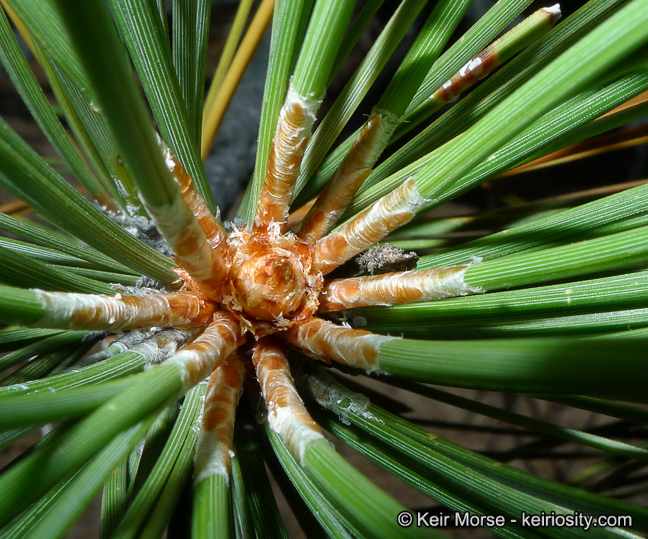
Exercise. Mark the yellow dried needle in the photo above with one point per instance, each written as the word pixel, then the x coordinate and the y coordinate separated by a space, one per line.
pixel 20 26
pixel 213 116
pixel 233 39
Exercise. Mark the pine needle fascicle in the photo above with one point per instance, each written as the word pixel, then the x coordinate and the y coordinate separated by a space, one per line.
pixel 386 114
pixel 189 54
pixel 302 101
pixel 289 24
pixel 575 267
pixel 141 30
pixel 289 418
pixel 401 434
pixel 25 81
pixel 29 178
pixel 330 518
pixel 482 32
pixel 548 429
pixel 212 461
pixel 79 493
pixel 389 112
pixel 118 96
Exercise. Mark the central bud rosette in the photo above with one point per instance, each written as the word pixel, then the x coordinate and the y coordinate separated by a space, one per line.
pixel 272 282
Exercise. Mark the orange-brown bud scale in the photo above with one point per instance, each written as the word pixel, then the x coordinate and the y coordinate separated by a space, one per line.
pixel 477 68
pixel 214 231
pixel 326 340
pixel 195 236
pixel 97 312
pixel 294 128
pixel 373 224
pixel 346 180
pixel 215 442
pixel 395 288
pixel 187 240
pixel 222 394
pixel 220 339
pixel 286 412
pixel 272 282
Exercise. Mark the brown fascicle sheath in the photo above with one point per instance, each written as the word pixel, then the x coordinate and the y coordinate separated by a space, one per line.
pixel 295 124
pixel 395 288
pixel 214 231
pixel 87 311
pixel 286 412
pixel 346 180
pixel 370 226
pixel 217 424
pixel 326 340
pixel 220 339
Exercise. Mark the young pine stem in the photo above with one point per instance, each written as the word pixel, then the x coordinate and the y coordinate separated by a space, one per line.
pixel 395 288
pixel 286 412
pixel 87 311
pixel 385 216
pixel 217 425
pixel 326 340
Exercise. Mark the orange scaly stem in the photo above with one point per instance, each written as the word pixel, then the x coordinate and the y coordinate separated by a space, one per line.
pixel 348 177
pixel 373 224
pixel 286 412
pixel 394 288
pixel 326 340
pixel 217 427
pixel 219 340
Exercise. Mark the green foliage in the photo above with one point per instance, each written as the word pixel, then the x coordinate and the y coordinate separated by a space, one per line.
pixel 562 285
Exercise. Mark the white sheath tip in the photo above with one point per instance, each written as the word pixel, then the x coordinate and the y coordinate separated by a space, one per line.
pixel 298 434
pixel 212 457
pixel 554 10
